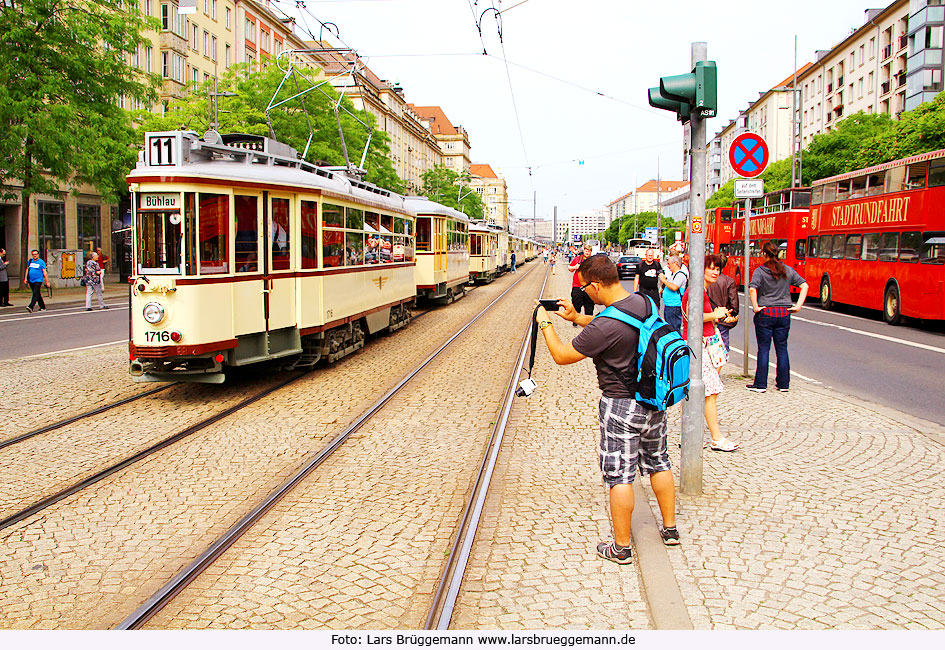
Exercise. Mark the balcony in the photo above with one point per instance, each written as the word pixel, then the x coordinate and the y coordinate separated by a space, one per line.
pixel 885 87
pixel 172 41
pixel 900 79
pixel 887 51
pixel 903 42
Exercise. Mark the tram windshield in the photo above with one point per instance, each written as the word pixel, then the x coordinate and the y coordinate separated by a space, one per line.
pixel 159 241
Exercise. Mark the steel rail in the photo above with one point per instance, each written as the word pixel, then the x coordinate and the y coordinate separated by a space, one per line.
pixel 188 574
pixel 444 600
pixel 44 503
pixel 75 418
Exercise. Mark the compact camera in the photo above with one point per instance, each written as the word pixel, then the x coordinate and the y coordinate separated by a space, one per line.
pixel 551 304
pixel 526 388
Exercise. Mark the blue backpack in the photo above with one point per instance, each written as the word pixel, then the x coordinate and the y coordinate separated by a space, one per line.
pixel 662 377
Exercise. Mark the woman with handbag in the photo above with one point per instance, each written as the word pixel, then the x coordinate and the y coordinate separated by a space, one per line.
pixel 714 354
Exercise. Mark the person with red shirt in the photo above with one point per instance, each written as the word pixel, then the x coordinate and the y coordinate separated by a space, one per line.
pixel 713 382
pixel 579 298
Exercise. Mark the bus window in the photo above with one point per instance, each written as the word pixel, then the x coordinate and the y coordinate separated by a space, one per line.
pixel 801 199
pixel 843 190
pixel 755 248
pixel 853 246
pixel 825 247
pixel 837 247
pixel 933 248
pixel 725 215
pixel 895 178
pixel 812 246
pixel 915 178
pixel 888 247
pixel 830 192
pixel 858 187
pixel 800 249
pixel 875 183
pixel 909 246
pixel 870 247
pixel 782 249
pixel 937 173
pixel 817 196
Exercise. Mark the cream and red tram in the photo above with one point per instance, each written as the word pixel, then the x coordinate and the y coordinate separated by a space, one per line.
pixel 442 255
pixel 483 253
pixel 243 254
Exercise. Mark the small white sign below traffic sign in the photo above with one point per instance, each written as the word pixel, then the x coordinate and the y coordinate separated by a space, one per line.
pixel 749 189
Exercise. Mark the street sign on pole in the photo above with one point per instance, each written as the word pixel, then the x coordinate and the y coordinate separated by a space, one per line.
pixel 749 189
pixel 748 155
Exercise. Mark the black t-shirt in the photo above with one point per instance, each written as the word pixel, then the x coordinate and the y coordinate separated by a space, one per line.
pixel 612 345
pixel 649 275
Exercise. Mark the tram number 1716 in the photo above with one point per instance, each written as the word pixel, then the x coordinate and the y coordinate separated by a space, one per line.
pixel 164 337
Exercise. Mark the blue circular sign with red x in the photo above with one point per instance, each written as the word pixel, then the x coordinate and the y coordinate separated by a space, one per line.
pixel 748 155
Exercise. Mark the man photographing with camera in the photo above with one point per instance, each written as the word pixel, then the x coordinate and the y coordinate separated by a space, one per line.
pixel 631 434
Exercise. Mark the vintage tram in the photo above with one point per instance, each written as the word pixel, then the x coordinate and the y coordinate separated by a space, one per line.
pixel 442 254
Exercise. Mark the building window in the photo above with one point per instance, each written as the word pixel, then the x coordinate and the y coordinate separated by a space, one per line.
pixel 933 36
pixel 206 44
pixel 89 227
pixel 148 9
pixel 165 66
pixel 229 16
pixel 52 226
pixel 228 56
pixel 870 84
pixel 147 58
pixel 193 38
pixel 862 54
pixel 213 48
pixel 264 40
pixel 250 31
pixel 213 9
pixel 872 47
pixel 194 75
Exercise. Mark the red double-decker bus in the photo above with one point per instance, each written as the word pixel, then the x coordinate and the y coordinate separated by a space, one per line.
pixel 877 238
pixel 718 229
pixel 782 217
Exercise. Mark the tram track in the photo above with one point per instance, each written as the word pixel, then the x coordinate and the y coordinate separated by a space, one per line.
pixel 160 599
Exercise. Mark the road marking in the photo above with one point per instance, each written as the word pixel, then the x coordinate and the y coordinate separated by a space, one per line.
pixel 87 347
pixel 772 365
pixel 882 337
pixel 57 313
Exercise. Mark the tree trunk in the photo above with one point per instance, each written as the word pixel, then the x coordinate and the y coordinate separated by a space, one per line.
pixel 25 212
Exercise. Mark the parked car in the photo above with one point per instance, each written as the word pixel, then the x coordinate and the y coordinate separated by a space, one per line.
pixel 628 266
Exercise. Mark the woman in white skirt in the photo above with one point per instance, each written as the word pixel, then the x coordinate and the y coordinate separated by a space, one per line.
pixel 713 382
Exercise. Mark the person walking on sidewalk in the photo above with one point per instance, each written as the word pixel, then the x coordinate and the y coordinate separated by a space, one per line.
pixel 675 287
pixel 93 283
pixel 4 280
pixel 552 259
pixel 36 276
pixel 631 434
pixel 646 281
pixel 102 262
pixel 770 293
pixel 710 376
pixel 724 293
pixel 579 297
pixel 512 261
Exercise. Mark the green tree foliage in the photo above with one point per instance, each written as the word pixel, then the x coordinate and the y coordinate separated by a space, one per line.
pixel 63 67
pixel 844 148
pixel 776 177
pixel 443 185
pixel 246 113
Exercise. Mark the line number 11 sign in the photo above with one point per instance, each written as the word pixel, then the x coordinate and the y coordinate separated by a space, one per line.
pixel 162 150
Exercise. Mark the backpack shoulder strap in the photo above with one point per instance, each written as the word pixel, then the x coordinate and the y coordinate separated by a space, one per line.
pixel 633 321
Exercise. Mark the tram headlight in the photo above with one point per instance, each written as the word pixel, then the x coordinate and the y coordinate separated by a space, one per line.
pixel 153 313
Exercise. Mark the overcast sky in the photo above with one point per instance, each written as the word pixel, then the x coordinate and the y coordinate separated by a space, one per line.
pixel 579 72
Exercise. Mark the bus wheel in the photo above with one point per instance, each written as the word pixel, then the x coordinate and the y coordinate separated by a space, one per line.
pixel 826 294
pixel 891 311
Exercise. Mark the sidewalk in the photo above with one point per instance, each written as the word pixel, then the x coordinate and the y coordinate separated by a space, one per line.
pixel 114 292
pixel 828 517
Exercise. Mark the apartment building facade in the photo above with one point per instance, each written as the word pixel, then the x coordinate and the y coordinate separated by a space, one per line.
pixel 453 140
pixel 649 194
pixel 926 39
pixel 588 222
pixel 493 191
pixel 619 207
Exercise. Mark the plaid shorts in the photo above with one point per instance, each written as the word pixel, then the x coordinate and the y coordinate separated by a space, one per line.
pixel 630 436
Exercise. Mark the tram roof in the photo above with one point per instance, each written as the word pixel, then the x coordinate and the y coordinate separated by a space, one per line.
pixel 421 205
pixel 275 164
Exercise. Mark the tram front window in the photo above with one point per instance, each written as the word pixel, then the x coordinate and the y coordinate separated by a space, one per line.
pixel 159 241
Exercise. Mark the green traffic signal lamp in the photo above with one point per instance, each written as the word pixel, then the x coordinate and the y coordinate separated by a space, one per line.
pixel 687 93
pixel 657 100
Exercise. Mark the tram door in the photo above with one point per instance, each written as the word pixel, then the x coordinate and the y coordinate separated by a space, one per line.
pixel 278 275
pixel 439 245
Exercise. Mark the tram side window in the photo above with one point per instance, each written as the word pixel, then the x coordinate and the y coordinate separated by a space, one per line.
pixel 909 246
pixel 354 219
pixel 837 247
pixel 888 247
pixel 915 176
pixel 333 215
pixel 309 239
pixel 937 173
pixel 870 250
pixel 424 234
pixel 876 184
pixel 813 246
pixel 333 247
pixel 247 234
pixel 190 233
pixel 800 249
pixel 354 248
pixel 372 221
pixel 214 233
pixel 933 248
pixel 475 245
pixel 281 235
pixel 852 247
pixel 159 240
pixel 386 248
pixel 387 224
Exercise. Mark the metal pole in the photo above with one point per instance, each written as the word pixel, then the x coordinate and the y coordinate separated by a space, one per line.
pixel 690 473
pixel 534 208
pixel 554 226
pixel 747 310
pixel 794 142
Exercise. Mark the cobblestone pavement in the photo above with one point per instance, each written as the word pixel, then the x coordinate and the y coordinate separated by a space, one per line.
pixel 830 516
pixel 43 465
pixel 534 563
pixel 93 558
pixel 361 543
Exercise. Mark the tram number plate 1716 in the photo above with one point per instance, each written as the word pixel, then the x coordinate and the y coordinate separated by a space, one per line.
pixel 162 150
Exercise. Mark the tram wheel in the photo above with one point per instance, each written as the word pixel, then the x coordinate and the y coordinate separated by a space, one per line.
pixel 826 294
pixel 892 305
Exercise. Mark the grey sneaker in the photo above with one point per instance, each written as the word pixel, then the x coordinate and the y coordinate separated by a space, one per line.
pixel 609 551
pixel 670 536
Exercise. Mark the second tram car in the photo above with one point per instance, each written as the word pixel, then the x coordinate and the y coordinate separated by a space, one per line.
pixel 483 253
pixel 442 269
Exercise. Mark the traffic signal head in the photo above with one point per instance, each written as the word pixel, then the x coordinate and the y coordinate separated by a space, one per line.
pixel 684 94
